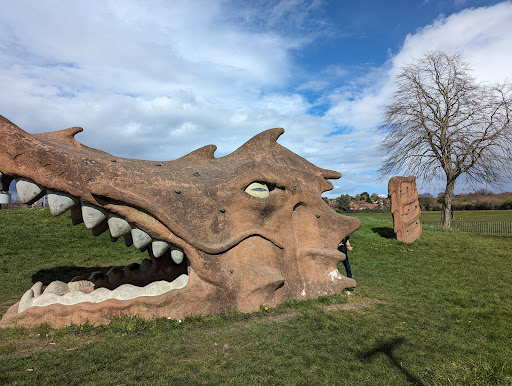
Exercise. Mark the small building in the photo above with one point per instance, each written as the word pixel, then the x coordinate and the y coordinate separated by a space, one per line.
pixel 360 205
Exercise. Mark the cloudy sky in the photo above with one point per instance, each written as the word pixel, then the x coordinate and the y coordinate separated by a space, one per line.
pixel 157 79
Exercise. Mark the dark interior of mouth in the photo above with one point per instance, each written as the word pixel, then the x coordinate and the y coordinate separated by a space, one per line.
pixel 139 274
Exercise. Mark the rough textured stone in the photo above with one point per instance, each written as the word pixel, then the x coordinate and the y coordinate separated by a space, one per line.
pixel 405 208
pixel 241 248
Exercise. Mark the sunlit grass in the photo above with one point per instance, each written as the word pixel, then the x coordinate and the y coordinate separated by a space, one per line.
pixel 461 215
pixel 437 311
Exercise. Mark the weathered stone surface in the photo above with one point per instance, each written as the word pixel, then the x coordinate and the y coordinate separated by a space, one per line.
pixel 246 229
pixel 405 208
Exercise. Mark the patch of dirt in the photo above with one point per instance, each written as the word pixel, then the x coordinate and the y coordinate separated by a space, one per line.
pixel 281 318
pixel 352 306
pixel 32 345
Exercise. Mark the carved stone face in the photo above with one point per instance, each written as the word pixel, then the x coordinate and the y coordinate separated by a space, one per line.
pixel 235 232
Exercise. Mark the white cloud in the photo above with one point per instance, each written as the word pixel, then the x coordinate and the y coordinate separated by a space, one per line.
pixel 158 80
pixel 484 37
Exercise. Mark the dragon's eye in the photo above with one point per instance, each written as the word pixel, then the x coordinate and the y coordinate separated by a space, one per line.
pixel 257 189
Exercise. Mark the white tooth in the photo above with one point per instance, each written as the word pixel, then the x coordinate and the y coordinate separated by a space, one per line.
pixel 118 226
pixel 80 285
pixel 159 248
pixel 26 300
pixel 177 256
pixel 60 202
pixel 140 238
pixel 27 190
pixel 56 287
pixel 92 215
pixel 123 292
pixel 37 289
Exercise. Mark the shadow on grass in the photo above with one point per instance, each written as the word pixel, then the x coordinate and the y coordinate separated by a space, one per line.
pixel 385 232
pixel 387 348
pixel 65 273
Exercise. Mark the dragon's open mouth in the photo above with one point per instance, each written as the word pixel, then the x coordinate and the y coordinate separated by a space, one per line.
pixel 166 268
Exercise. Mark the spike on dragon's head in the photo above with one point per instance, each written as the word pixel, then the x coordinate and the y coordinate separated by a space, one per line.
pixel 234 232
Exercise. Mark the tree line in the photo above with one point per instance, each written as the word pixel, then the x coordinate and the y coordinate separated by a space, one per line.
pixel 480 200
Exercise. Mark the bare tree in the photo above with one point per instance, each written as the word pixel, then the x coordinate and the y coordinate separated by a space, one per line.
pixel 441 123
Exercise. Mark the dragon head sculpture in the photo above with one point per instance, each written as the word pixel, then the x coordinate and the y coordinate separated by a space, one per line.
pixel 235 232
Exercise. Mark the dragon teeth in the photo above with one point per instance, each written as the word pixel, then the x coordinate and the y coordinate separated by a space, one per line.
pixel 92 215
pixel 140 238
pixel 80 285
pixel 123 292
pixel 28 297
pixel 60 202
pixel 177 256
pixel 37 288
pixel 27 190
pixel 159 248
pixel 118 227
pixel 56 287
pixel 26 300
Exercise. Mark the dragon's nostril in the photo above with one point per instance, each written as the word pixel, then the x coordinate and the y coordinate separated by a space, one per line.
pixel 297 206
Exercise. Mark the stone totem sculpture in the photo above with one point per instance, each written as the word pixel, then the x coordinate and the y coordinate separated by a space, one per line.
pixel 405 208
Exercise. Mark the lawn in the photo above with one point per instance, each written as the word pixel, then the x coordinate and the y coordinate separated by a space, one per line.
pixel 437 311
pixel 461 215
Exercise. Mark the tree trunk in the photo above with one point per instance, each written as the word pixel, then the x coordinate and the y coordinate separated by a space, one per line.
pixel 446 208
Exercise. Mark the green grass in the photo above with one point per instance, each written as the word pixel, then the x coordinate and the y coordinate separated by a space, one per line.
pixel 461 215
pixel 438 311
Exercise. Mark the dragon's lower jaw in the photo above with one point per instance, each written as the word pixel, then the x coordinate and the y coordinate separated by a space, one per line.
pixel 150 278
pixel 196 298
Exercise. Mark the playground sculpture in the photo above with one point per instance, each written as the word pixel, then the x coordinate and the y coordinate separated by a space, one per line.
pixel 405 208
pixel 234 232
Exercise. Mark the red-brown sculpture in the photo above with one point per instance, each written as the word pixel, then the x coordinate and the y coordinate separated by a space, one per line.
pixel 235 232
pixel 405 208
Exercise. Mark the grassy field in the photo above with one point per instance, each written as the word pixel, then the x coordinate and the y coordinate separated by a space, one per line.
pixel 438 311
pixel 462 215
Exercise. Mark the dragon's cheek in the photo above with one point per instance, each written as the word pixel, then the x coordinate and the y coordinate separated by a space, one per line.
pixel 253 274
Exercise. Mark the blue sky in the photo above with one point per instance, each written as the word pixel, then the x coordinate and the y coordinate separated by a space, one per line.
pixel 156 80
